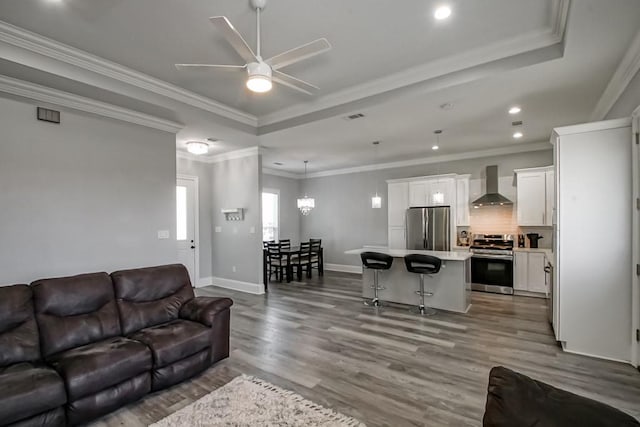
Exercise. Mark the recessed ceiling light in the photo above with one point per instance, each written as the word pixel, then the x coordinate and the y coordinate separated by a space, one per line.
pixel 443 12
pixel 435 148
pixel 518 135
pixel 514 110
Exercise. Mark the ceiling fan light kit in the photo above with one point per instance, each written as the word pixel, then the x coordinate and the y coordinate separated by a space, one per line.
pixel 262 73
pixel 197 147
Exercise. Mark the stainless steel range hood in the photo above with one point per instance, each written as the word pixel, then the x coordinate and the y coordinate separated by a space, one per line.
pixel 492 197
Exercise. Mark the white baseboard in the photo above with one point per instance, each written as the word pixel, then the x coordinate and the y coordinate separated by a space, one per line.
pixel 237 285
pixel 581 353
pixel 204 281
pixel 356 269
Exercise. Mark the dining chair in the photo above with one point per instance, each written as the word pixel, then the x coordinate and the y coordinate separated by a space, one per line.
pixel 316 258
pixel 285 243
pixel 277 262
pixel 303 260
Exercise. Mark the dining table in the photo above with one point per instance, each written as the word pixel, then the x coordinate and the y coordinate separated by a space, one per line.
pixel 289 252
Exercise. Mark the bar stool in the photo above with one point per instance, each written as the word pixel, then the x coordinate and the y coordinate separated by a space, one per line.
pixel 376 262
pixel 423 264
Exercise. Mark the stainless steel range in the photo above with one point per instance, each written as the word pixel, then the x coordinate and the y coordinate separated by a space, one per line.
pixel 492 263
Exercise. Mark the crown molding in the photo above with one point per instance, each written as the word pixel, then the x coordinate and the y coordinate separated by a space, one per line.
pixel 512 149
pixel 36 43
pixel 592 127
pixel 283 174
pixel 467 61
pixel 626 71
pixel 231 155
pixel 64 99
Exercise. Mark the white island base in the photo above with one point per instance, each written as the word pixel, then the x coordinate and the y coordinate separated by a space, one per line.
pixel 451 287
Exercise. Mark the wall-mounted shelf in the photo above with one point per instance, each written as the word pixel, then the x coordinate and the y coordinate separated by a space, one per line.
pixel 233 214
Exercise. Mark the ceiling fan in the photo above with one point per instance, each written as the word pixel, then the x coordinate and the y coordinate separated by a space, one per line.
pixel 263 72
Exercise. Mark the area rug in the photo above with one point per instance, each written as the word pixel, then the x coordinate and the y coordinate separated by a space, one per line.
pixel 249 401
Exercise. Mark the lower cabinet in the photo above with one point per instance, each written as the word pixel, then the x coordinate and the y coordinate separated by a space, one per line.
pixel 529 274
pixel 397 239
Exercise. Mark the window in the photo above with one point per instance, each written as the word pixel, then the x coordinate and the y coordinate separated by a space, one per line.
pixel 270 214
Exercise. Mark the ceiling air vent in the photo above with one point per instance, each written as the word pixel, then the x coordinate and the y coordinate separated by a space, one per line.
pixel 517 123
pixel 354 116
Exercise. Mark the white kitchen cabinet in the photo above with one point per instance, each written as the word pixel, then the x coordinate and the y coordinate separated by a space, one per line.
pixel 418 193
pixel 396 238
pixel 520 269
pixel 535 196
pixel 398 202
pixel 462 201
pixel 535 272
pixel 528 272
pixel 550 193
pixel 442 192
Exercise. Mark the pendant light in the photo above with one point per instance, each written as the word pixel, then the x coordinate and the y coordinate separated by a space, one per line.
pixel 306 204
pixel 376 201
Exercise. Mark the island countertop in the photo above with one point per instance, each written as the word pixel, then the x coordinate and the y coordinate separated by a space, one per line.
pixel 401 253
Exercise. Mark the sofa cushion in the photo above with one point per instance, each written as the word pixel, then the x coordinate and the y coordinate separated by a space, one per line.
pixel 174 340
pixel 151 296
pixel 19 341
pixel 27 390
pixel 74 311
pixel 97 366
pixel 514 399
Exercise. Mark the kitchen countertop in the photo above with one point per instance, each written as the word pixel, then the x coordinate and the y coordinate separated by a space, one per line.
pixel 400 253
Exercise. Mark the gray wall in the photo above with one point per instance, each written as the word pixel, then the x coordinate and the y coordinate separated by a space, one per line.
pixel 236 184
pixel 87 195
pixel 343 216
pixel 205 193
pixel 289 213
pixel 628 101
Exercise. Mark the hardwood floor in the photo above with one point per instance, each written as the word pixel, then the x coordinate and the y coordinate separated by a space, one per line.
pixel 392 368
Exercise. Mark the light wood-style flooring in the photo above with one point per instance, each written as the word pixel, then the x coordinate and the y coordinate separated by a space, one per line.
pixel 391 368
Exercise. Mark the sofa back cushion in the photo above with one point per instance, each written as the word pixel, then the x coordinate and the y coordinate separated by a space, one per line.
pixel 19 341
pixel 74 311
pixel 150 296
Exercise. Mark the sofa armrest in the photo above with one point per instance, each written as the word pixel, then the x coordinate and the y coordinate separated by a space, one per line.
pixel 204 309
pixel 514 399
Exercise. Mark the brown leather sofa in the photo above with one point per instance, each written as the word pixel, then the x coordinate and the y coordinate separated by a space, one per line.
pixel 514 399
pixel 110 340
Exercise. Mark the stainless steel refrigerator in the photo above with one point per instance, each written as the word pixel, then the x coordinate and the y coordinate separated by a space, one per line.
pixel 429 228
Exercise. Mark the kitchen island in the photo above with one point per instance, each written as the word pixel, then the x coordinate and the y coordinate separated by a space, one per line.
pixel 451 287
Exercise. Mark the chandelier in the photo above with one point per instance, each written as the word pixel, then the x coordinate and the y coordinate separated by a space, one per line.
pixel 306 204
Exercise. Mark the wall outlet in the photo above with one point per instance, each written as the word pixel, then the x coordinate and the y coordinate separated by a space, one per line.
pixel 233 268
pixel 218 229
pixel 163 234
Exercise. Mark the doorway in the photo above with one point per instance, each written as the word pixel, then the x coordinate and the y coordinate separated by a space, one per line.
pixel 187 225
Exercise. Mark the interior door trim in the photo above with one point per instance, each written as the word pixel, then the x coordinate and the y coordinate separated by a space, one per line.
pixel 196 232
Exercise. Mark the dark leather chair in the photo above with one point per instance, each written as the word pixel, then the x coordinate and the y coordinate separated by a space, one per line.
pixel 80 338
pixel 514 399
pixel 186 334
pixel 423 265
pixel 31 394
pixel 376 261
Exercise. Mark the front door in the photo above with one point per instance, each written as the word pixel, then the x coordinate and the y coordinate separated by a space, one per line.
pixel 186 225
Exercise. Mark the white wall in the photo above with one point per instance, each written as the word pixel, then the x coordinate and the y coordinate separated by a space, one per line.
pixel 87 195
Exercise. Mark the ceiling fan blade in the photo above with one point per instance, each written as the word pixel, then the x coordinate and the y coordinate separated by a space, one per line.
pixel 234 38
pixel 299 53
pixel 210 67
pixel 293 83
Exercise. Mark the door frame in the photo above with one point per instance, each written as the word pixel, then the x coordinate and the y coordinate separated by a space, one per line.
pixel 196 220
pixel 635 279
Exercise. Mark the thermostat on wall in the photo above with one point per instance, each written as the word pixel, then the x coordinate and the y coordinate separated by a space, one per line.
pixel 233 214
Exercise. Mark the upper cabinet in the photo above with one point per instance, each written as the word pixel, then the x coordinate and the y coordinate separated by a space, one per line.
pixel 432 192
pixel 462 201
pixel 535 196
pixel 398 195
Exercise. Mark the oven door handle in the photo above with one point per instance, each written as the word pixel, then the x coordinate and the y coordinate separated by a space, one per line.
pixel 484 256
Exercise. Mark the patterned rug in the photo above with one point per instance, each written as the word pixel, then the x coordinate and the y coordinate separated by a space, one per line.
pixel 249 401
